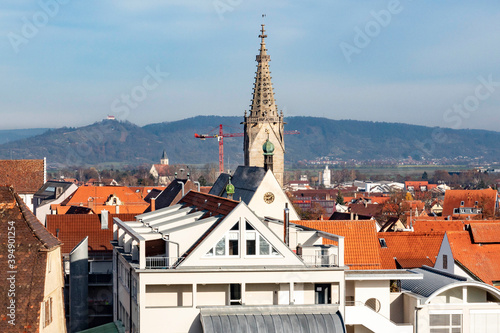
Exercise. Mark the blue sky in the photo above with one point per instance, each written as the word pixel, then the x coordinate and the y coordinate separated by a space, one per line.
pixel 426 63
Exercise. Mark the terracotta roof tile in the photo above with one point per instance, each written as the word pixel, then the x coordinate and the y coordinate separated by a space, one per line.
pixel 485 199
pixel 485 232
pixel 71 229
pixel 420 225
pixel 212 204
pixel 481 260
pixel 26 176
pixel 367 210
pixel 95 197
pixel 361 249
pixel 32 242
pixel 409 248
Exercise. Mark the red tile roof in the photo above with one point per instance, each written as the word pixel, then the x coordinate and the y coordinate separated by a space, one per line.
pixel 71 229
pixel 32 243
pixel 409 248
pixel 481 260
pixel 212 204
pixel 143 191
pixel 485 232
pixel 486 199
pixel 26 176
pixel 438 226
pixel 367 210
pixel 361 249
pixel 95 197
pixel 164 169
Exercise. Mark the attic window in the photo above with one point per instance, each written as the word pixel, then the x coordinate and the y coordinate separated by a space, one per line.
pixel 228 245
pixel 382 242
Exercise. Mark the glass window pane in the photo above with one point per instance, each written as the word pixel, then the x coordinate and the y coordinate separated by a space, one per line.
pixel 250 247
pixel 456 319
pixel 236 226
pixel 233 247
pixel 439 319
pixel 248 226
pixel 263 246
pixel 274 252
pixel 210 252
pixel 220 248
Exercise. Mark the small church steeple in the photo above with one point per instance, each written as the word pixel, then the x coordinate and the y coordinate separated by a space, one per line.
pixel 164 158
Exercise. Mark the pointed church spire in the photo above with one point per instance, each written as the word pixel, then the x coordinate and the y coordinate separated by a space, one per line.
pixel 164 158
pixel 263 124
pixel 263 102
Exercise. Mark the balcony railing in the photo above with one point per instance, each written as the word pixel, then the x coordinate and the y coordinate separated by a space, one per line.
pixel 163 262
pixel 317 260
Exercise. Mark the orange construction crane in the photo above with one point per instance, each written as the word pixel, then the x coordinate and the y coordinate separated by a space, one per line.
pixel 220 137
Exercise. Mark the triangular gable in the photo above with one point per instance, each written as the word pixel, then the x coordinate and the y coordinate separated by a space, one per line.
pixel 447 264
pixel 200 256
pixel 269 199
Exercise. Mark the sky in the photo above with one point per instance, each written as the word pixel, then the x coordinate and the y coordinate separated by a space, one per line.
pixel 72 63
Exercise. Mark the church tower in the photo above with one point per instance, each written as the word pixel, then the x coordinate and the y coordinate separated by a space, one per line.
pixel 264 123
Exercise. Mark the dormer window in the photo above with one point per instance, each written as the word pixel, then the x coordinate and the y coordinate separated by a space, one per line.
pixel 461 203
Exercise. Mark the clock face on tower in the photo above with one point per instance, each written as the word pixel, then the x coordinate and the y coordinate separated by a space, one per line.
pixel 268 197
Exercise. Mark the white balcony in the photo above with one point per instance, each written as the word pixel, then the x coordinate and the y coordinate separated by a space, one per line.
pixel 163 262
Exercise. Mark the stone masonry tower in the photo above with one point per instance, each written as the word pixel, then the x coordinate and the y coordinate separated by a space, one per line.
pixel 264 122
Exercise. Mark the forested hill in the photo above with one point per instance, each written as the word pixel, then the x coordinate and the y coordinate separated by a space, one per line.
pixel 124 143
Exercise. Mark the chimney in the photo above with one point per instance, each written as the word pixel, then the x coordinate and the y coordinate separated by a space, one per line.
pixel 153 204
pixel 352 216
pixel 356 217
pixel 286 225
pixel 104 219
pixel 117 209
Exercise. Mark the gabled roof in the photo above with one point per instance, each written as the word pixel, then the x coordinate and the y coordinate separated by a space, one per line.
pixel 145 191
pixel 361 249
pixel 367 209
pixel 480 260
pixel 95 197
pixel 71 229
pixel 485 232
pixel 409 249
pixel 245 179
pixel 172 193
pixel 32 242
pixel 26 176
pixel 486 199
pixel 48 192
pixel 164 170
pixel 212 205
pixel 438 225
